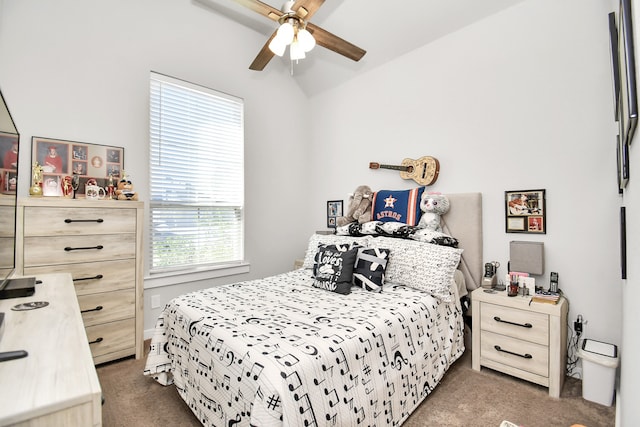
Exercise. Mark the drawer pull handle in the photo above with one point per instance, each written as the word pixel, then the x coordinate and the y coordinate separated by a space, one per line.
pixel 524 356
pixel 525 325
pixel 69 221
pixel 69 248
pixel 96 341
pixel 98 308
pixel 99 276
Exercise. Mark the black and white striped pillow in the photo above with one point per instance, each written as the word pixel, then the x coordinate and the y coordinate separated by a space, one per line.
pixel 370 267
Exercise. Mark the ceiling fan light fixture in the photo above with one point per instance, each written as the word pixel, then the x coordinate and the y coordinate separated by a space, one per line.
pixel 296 51
pixel 277 46
pixel 286 33
pixel 306 40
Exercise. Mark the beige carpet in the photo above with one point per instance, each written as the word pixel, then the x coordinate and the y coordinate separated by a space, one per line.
pixel 463 398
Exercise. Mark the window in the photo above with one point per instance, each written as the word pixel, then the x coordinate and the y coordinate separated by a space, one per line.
pixel 196 209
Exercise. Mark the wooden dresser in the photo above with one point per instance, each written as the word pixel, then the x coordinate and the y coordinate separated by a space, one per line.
pixel 56 384
pixel 521 338
pixel 100 244
pixel 7 226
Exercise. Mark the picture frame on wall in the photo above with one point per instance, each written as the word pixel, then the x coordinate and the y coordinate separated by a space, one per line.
pixel 622 154
pixel 525 211
pixel 623 242
pixel 59 158
pixel 334 210
pixel 615 64
pixel 628 101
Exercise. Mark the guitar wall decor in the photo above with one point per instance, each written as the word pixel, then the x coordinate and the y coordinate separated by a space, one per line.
pixel 424 170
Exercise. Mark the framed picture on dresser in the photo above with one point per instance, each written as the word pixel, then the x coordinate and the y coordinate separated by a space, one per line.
pixel 59 158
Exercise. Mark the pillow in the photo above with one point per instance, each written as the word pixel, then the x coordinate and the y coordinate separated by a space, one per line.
pixel 327 239
pixel 333 269
pixel 399 206
pixel 369 269
pixel 436 237
pixel 422 266
pixel 357 229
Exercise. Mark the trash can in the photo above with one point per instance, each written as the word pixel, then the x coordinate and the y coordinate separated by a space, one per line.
pixel 599 363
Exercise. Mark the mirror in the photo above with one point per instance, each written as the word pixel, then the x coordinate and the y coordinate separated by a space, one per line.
pixel 9 144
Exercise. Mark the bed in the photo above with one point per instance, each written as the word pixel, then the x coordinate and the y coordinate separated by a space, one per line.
pixel 283 351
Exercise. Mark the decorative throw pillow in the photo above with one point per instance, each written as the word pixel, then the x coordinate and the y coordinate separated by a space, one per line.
pixel 356 229
pixel 399 206
pixel 369 269
pixel 333 269
pixel 328 239
pixel 422 266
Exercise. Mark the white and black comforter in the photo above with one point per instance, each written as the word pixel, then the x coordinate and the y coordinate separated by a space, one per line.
pixel 278 352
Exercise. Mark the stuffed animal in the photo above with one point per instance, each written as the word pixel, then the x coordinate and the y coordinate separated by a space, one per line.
pixel 124 189
pixel 359 207
pixel 433 206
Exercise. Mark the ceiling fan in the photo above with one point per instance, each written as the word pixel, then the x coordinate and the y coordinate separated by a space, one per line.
pixel 297 32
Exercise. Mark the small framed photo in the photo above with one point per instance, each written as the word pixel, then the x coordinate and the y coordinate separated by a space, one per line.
pixel 525 211
pixel 334 210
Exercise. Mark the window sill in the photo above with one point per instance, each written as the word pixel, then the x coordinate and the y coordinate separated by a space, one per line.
pixel 159 280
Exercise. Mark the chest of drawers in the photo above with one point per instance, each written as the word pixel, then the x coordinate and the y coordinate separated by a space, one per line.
pixel 100 244
pixel 521 338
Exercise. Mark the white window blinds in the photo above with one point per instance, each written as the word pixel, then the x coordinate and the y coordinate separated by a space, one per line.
pixel 197 176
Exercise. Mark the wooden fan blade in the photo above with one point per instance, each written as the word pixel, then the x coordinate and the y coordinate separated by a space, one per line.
pixel 261 8
pixel 332 42
pixel 306 8
pixel 264 56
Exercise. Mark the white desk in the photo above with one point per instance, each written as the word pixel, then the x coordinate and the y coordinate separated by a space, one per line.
pixel 56 384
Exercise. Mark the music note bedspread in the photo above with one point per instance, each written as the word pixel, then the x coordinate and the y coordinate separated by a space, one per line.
pixel 277 351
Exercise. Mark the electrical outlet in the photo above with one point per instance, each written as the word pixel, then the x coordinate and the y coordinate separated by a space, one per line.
pixel 578 324
pixel 155 301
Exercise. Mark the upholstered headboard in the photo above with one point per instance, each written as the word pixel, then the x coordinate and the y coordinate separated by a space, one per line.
pixel 464 222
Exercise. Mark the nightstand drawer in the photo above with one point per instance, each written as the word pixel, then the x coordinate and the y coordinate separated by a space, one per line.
pixel 516 353
pixel 516 323
pixel 46 221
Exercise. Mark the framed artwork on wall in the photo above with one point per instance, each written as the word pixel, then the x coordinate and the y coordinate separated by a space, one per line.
pixel 628 109
pixel 623 242
pixel 525 211
pixel 60 158
pixel 622 153
pixel 334 210
pixel 615 63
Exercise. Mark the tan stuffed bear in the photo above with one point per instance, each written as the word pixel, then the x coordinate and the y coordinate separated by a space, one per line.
pixel 359 207
pixel 125 190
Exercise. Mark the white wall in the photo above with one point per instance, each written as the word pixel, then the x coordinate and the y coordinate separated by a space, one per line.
pixel 79 70
pixel 629 412
pixel 521 100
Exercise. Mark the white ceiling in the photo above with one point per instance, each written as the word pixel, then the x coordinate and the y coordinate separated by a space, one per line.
pixel 385 29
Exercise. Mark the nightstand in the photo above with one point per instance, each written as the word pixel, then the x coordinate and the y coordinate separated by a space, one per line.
pixel 521 338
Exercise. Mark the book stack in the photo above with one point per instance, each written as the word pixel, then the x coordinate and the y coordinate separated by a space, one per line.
pixel 546 297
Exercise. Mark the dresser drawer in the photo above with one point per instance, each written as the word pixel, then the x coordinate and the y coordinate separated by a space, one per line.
pixel 112 337
pixel 45 221
pixel 516 323
pixel 70 249
pixel 114 306
pixel 530 357
pixel 90 278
